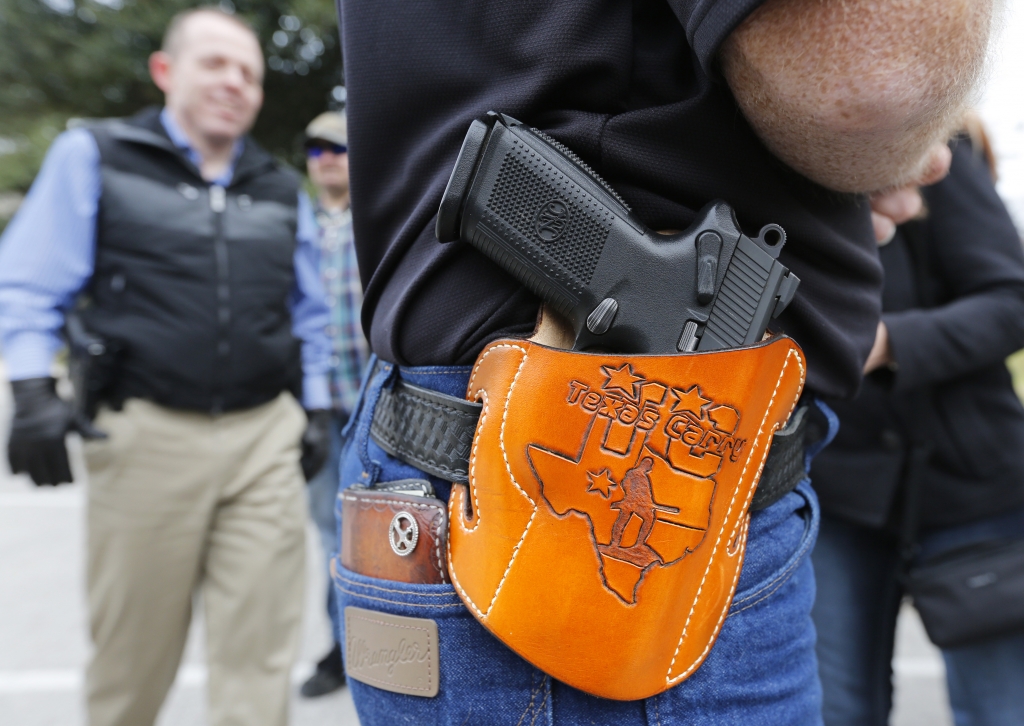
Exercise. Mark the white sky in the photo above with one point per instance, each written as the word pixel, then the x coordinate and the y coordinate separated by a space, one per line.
pixel 1002 107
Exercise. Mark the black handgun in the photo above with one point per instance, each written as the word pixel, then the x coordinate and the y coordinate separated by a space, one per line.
pixel 535 208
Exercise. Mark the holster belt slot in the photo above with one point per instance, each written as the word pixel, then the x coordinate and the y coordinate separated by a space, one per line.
pixel 434 432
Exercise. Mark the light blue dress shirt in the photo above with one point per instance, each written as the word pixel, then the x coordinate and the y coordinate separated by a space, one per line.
pixel 48 250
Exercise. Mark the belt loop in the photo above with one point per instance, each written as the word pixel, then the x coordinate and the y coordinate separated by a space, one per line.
pixel 384 374
pixel 815 448
pixel 368 369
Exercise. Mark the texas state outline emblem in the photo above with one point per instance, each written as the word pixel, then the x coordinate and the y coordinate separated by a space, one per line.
pixel 644 473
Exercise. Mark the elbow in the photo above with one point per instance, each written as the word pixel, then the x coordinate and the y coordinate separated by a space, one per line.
pixel 1015 320
pixel 1000 323
pixel 852 95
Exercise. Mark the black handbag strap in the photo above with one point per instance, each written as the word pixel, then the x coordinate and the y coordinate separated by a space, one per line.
pixel 910 518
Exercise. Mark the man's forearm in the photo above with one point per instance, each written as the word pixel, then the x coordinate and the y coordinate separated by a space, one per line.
pixel 28 353
pixel 852 93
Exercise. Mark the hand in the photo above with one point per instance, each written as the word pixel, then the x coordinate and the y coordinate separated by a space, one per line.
pixel 881 353
pixel 316 442
pixel 897 206
pixel 41 420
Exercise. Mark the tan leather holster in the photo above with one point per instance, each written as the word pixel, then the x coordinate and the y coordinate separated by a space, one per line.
pixel 603 529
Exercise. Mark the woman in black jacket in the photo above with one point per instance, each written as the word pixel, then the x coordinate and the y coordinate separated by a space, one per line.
pixel 953 309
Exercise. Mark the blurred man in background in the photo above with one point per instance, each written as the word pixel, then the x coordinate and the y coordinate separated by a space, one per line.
pixel 327 163
pixel 186 245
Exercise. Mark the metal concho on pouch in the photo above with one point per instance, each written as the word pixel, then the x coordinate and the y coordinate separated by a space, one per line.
pixel 536 209
pixel 395 531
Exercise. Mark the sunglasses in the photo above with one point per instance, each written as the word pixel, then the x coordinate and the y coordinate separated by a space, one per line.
pixel 316 148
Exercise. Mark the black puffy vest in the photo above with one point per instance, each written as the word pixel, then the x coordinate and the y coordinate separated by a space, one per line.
pixel 192 281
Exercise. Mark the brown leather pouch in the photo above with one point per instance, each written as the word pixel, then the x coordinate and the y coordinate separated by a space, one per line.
pixel 395 531
pixel 603 529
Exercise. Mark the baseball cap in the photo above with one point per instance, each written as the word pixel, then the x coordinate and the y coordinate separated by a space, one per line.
pixel 329 126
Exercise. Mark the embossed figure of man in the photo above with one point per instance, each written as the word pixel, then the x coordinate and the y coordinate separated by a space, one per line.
pixel 638 499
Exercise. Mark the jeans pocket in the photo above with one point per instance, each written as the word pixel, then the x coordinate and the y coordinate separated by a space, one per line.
pixel 762 668
pixel 480 680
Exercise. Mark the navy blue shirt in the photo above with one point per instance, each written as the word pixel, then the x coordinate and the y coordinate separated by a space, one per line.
pixel 632 88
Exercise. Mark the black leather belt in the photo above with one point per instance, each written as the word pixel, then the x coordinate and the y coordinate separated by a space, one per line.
pixel 434 432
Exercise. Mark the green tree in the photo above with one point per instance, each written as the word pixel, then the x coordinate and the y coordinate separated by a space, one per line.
pixel 61 59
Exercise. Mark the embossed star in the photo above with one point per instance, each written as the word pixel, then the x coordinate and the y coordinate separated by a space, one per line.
pixel 601 482
pixel 623 379
pixel 690 400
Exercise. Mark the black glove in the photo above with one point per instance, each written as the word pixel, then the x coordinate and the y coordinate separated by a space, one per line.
pixel 316 442
pixel 41 419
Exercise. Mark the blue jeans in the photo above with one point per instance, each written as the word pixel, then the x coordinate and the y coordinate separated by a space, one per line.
pixel 762 669
pixel 323 490
pixel 855 614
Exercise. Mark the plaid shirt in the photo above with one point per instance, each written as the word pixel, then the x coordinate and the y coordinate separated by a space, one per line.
pixel 340 274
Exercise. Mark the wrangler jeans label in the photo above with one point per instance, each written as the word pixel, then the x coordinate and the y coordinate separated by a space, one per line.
pixel 395 653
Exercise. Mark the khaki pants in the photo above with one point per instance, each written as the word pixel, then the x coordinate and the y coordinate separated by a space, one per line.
pixel 178 500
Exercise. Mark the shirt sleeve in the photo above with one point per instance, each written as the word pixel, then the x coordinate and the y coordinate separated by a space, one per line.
pixel 976 251
pixel 309 311
pixel 709 22
pixel 47 254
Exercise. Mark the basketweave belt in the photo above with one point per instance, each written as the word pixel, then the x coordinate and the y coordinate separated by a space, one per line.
pixel 434 432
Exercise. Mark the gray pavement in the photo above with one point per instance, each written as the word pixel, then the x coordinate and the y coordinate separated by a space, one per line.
pixel 43 637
